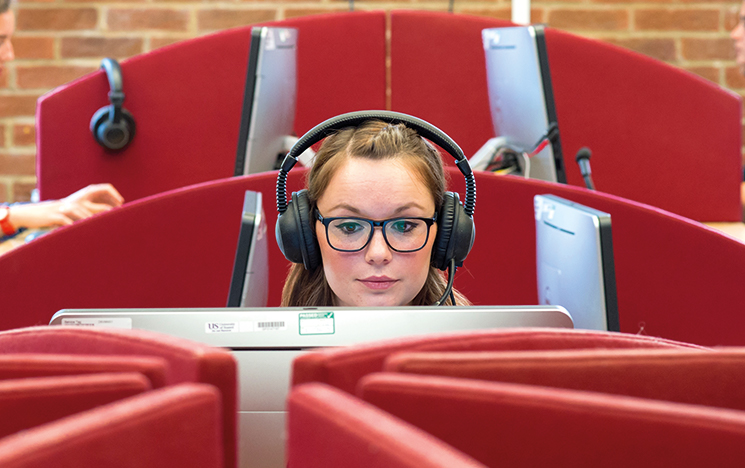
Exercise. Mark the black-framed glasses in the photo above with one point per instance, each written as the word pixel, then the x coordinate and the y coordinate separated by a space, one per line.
pixel 349 234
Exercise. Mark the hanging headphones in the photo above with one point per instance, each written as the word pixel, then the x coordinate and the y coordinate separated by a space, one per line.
pixel 295 225
pixel 113 127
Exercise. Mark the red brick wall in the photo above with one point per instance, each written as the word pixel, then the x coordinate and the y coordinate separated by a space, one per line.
pixel 59 40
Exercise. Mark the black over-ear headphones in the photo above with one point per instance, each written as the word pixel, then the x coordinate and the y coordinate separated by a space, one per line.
pixel 295 227
pixel 112 126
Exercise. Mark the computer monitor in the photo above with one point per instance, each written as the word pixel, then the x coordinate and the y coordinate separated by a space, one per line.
pixel 574 262
pixel 268 115
pixel 249 285
pixel 266 340
pixel 521 97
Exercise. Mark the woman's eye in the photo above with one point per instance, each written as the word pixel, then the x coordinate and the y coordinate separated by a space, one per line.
pixel 349 227
pixel 403 226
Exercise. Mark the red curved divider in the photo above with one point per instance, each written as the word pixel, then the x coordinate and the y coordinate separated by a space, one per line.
pixel 659 135
pixel 186 99
pixel 676 278
pixel 438 73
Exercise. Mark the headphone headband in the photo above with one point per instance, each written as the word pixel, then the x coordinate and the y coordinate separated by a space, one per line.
pixel 112 126
pixel 295 230
pixel 354 119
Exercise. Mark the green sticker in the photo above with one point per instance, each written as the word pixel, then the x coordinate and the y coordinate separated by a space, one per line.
pixel 316 323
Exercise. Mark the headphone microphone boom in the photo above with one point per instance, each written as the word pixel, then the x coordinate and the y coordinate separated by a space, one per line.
pixel 112 126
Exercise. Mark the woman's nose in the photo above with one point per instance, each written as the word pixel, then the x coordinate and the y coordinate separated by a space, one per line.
pixel 378 251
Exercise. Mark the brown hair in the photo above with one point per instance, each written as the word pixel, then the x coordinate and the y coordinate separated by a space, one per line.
pixel 374 140
pixel 4 6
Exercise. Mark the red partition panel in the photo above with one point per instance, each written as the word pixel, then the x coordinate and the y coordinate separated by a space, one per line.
pixel 438 73
pixel 186 99
pixel 676 278
pixel 174 249
pixel 659 135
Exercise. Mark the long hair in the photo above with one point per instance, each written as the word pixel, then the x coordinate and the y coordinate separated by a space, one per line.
pixel 375 140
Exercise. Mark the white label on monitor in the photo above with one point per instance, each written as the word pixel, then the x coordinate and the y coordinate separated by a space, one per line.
pixel 262 326
pixel 221 327
pixel 316 323
pixel 109 322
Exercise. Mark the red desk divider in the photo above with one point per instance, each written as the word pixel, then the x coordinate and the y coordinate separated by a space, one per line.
pixel 676 278
pixel 438 73
pixel 186 100
pixel 659 135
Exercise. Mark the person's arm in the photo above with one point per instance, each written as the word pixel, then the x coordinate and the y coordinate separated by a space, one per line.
pixel 81 204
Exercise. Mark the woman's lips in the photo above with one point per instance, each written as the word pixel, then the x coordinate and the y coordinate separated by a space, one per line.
pixel 378 282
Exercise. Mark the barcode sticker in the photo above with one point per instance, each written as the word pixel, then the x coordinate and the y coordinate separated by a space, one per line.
pixel 316 323
pixel 247 326
pixel 266 326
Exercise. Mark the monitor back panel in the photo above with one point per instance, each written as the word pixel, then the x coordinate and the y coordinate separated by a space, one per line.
pixel 266 340
pixel 521 95
pixel 574 262
pixel 268 115
pixel 249 284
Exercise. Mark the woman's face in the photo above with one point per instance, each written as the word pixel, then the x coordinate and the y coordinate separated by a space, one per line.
pixel 377 190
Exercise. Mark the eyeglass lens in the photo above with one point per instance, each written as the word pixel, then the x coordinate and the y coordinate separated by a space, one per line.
pixel 402 234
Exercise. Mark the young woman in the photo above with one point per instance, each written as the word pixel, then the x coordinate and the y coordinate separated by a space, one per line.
pixel 373 193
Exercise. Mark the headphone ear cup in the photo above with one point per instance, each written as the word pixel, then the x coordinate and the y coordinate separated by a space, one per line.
pixel 295 234
pixel 98 119
pixel 111 135
pixel 455 233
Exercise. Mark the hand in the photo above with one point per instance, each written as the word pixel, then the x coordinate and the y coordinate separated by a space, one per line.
pixel 82 204
pixel 90 200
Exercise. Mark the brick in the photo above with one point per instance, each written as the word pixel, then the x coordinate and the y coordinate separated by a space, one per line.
pixel 4 198
pixel 731 17
pixel 707 49
pixel 158 42
pixel 708 73
pixel 734 79
pixel 102 1
pixel 17 164
pixel 297 12
pixel 495 12
pixel 2 136
pixel 619 2
pixel 33 47
pixel 56 19
pixel 661 49
pixel 208 20
pixel 22 191
pixel 24 135
pixel 158 19
pixel 18 106
pixel 4 78
pixel 589 20
pixel 677 20
pixel 100 47
pixel 49 76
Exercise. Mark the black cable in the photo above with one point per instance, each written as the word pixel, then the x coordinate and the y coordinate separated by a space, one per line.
pixel 449 287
